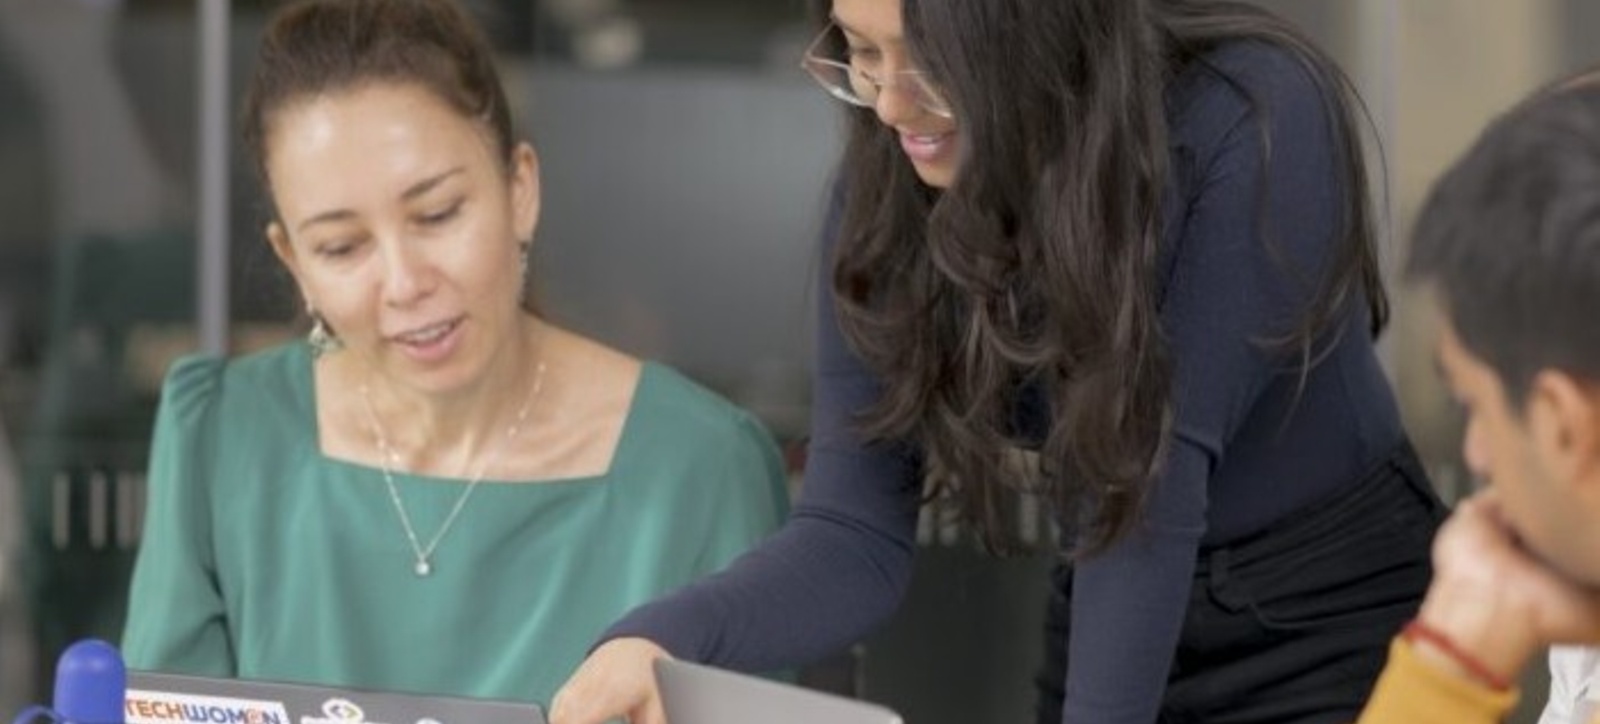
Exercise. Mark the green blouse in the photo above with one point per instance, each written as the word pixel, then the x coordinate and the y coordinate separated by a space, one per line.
pixel 264 559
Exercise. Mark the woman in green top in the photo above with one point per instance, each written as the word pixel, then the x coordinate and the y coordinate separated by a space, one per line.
pixel 441 492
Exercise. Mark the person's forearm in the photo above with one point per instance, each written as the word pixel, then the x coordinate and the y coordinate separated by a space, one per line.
pixel 1481 626
pixel 1415 691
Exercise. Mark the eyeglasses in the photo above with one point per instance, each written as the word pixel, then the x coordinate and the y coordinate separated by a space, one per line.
pixel 858 86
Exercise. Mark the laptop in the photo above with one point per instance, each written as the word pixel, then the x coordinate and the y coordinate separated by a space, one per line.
pixel 699 694
pixel 167 698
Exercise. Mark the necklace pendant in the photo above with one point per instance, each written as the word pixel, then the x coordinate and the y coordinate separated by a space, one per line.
pixel 423 568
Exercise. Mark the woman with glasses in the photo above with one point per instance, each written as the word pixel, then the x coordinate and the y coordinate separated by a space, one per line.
pixel 1132 239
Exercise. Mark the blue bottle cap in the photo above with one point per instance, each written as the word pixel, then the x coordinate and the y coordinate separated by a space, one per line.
pixel 91 684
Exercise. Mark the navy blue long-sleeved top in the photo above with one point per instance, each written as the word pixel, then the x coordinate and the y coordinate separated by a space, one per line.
pixel 1243 455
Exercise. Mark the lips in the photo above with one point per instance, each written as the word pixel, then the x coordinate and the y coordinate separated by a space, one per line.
pixel 926 147
pixel 424 336
pixel 431 344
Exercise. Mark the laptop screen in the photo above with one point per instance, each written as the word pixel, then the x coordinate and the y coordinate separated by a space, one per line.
pixel 173 699
pixel 697 694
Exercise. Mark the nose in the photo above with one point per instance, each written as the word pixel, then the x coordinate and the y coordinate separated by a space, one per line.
pixel 894 105
pixel 407 275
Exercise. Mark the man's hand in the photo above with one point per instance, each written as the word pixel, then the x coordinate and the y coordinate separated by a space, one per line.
pixel 1494 600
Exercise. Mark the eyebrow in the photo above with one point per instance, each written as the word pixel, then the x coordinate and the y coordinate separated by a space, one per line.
pixel 417 189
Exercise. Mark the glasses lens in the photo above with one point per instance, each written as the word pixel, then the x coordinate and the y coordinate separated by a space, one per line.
pixel 926 94
pixel 859 87
pixel 840 82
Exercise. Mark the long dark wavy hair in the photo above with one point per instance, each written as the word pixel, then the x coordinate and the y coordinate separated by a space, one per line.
pixel 1037 265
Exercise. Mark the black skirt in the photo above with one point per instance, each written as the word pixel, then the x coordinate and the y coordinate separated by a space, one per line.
pixel 1291 624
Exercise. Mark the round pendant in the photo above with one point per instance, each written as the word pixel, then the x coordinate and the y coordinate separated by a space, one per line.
pixel 423 569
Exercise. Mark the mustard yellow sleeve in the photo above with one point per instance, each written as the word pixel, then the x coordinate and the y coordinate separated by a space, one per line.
pixel 1411 691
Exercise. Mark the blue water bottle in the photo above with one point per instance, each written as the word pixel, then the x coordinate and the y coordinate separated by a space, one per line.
pixel 91 687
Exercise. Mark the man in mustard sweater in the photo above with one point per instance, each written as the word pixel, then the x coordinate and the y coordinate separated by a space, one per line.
pixel 1509 242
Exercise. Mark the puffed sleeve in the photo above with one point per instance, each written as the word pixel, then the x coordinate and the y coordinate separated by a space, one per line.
pixel 753 498
pixel 176 616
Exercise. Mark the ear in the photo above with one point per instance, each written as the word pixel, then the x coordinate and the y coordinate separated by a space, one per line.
pixel 279 239
pixel 524 190
pixel 1563 416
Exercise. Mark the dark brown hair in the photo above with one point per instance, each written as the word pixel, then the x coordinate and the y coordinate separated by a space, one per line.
pixel 1037 265
pixel 1509 239
pixel 318 47
pixel 315 47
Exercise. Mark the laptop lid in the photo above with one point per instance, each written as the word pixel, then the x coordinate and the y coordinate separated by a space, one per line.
pixel 173 699
pixel 698 694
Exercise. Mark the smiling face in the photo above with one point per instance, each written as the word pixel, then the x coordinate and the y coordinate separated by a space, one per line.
pixel 876 44
pixel 401 226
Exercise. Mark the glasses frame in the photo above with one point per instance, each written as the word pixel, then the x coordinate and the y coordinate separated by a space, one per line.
pixel 915 83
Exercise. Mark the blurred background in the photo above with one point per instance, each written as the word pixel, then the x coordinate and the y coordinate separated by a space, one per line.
pixel 685 159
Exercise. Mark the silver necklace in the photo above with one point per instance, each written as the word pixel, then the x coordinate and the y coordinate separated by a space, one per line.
pixel 423 566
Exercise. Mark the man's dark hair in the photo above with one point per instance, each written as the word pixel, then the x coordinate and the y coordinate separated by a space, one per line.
pixel 1510 239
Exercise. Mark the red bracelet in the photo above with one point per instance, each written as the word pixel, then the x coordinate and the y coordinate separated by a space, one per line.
pixel 1416 631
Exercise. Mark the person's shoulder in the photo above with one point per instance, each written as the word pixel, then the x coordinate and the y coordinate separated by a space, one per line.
pixel 1259 64
pixel 685 419
pixel 694 409
pixel 274 363
pixel 1244 69
pixel 692 433
pixel 203 380
pixel 190 389
pixel 1242 79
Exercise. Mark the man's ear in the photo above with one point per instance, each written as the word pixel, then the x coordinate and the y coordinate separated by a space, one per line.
pixel 1563 415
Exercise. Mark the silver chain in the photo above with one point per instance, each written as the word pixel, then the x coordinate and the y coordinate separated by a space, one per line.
pixel 389 458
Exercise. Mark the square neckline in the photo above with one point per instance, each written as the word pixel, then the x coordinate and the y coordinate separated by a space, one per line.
pixel 305 372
